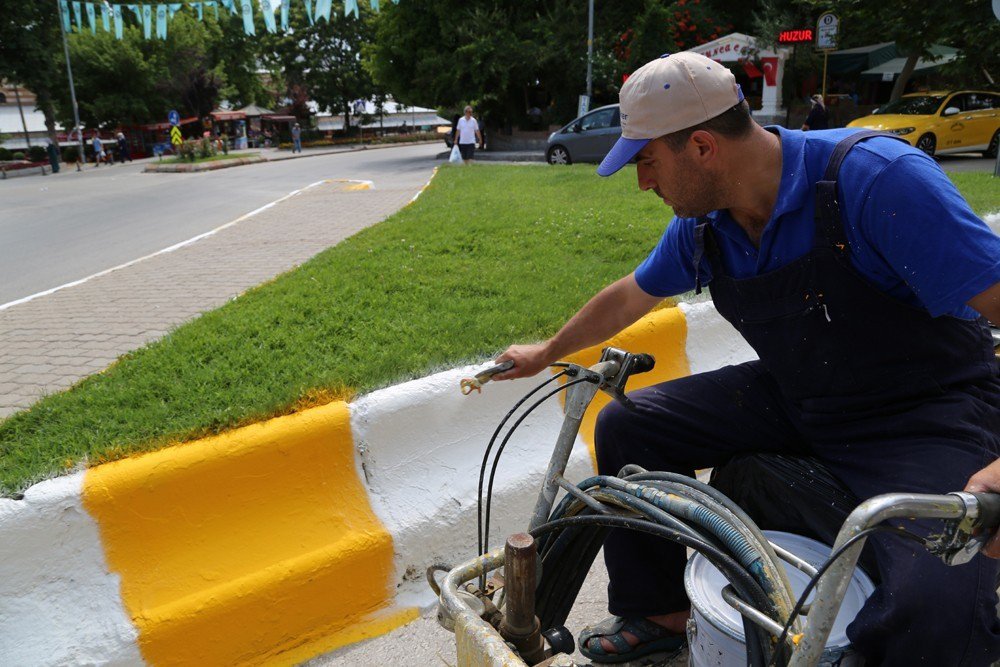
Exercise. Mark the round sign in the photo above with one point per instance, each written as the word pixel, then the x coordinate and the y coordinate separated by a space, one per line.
pixel 173 117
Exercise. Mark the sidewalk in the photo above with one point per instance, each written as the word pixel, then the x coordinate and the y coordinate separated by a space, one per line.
pixel 54 341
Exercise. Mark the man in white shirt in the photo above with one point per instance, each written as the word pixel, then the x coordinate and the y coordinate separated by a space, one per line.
pixel 467 135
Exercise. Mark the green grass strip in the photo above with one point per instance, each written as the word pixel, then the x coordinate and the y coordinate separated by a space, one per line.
pixel 486 256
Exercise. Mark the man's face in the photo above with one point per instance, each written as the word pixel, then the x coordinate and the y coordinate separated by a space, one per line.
pixel 678 179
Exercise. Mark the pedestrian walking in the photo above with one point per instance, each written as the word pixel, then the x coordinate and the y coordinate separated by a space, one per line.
pixel 98 147
pixel 296 139
pixel 468 135
pixel 818 118
pixel 123 151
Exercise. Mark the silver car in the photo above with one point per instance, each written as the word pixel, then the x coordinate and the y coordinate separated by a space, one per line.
pixel 586 139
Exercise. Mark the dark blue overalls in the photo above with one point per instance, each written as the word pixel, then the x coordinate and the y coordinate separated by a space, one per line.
pixel 889 398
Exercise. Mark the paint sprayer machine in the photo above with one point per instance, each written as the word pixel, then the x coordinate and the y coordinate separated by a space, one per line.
pixel 758 598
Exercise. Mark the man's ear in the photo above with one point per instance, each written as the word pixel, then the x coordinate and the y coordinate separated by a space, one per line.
pixel 705 144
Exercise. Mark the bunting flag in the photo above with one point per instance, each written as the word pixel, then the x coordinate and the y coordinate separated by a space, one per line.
pixel 309 11
pixel 117 12
pixel 375 6
pixel 284 14
pixel 161 21
pixel 173 8
pixel 90 18
pixel 351 7
pixel 269 16
pixel 323 8
pixel 105 18
pixel 197 8
pixel 247 17
pixel 64 11
pixel 147 21
pixel 78 13
pixel 137 11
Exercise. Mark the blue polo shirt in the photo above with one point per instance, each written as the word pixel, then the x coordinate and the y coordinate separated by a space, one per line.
pixel 911 233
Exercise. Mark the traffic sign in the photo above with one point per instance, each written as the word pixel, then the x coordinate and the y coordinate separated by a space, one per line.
pixel 827 29
pixel 174 118
pixel 175 136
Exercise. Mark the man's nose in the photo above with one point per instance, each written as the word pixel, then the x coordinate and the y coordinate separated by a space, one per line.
pixel 645 176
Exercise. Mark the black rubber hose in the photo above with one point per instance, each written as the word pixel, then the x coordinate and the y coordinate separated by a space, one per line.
pixel 489 447
pixel 745 585
pixel 503 444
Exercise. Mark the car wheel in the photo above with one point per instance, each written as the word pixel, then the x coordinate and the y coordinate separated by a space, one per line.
pixel 558 155
pixel 927 143
pixel 991 150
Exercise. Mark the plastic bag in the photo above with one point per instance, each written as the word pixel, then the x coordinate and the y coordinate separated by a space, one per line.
pixel 456 155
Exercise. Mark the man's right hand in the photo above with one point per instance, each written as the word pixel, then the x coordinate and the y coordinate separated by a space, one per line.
pixel 528 360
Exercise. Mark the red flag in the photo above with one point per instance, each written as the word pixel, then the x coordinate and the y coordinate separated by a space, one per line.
pixel 751 70
pixel 770 66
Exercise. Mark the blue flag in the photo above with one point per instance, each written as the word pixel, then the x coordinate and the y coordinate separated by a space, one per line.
pixel 323 8
pixel 247 17
pixel 268 16
pixel 105 18
pixel 116 11
pixel 284 14
pixel 90 18
pixel 147 21
pixel 375 6
pixel 77 12
pixel 173 8
pixel 351 7
pixel 161 21
pixel 137 11
pixel 64 11
pixel 309 11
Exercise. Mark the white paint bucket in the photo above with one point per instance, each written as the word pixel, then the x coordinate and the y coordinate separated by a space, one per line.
pixel 715 631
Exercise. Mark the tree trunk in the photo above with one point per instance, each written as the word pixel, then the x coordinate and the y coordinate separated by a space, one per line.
pixel 43 102
pixel 904 77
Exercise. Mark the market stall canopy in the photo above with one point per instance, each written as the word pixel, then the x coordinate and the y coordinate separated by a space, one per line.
pixel 252 110
pixel 393 115
pixel 226 114
pixel 891 68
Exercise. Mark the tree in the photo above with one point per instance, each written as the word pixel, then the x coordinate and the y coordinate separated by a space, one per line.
pixel 323 59
pixel 30 51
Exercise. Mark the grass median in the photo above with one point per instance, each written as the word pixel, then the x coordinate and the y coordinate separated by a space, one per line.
pixel 486 256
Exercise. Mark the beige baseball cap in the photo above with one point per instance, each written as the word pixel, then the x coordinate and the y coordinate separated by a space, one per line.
pixel 675 91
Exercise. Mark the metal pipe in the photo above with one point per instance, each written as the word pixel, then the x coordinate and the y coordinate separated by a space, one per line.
pixel 590 50
pixel 794 560
pixel 833 585
pixel 752 613
pixel 72 89
pixel 519 582
pixel 574 491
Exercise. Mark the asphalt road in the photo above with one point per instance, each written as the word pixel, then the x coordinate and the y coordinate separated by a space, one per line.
pixel 64 227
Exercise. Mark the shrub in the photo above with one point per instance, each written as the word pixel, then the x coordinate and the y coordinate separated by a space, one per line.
pixel 188 149
pixel 70 154
pixel 18 155
pixel 205 148
pixel 5 154
pixel 37 154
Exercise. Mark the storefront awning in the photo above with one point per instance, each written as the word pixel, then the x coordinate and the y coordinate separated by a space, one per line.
pixel 222 116
pixel 890 69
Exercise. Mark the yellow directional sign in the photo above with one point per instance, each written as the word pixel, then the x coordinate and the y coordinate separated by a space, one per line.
pixel 175 136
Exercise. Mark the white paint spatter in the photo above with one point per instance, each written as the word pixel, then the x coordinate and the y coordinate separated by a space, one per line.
pixel 711 341
pixel 420 447
pixel 59 605
pixel 176 246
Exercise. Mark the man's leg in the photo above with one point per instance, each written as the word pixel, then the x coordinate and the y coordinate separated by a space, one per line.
pixel 924 612
pixel 689 423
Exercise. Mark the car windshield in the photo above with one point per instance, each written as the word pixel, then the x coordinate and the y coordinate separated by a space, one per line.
pixel 922 105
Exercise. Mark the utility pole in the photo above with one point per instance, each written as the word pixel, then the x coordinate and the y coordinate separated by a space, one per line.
pixel 72 89
pixel 590 49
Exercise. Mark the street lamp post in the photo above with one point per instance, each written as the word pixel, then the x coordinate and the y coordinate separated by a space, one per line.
pixel 590 49
pixel 72 89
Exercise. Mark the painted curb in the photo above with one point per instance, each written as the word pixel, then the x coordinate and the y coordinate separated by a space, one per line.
pixel 279 541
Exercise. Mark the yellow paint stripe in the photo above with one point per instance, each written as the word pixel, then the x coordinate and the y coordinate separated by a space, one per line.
pixel 663 334
pixel 257 546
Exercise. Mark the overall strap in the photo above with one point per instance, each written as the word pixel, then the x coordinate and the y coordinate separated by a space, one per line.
pixel 703 240
pixel 829 225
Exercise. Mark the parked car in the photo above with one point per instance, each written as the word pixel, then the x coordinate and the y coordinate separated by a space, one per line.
pixel 963 121
pixel 586 139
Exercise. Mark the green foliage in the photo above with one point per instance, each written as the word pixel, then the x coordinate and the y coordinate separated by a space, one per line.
pixel 37 154
pixel 70 154
pixel 19 155
pixel 5 154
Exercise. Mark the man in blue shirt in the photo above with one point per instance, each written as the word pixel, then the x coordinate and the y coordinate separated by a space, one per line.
pixel 863 281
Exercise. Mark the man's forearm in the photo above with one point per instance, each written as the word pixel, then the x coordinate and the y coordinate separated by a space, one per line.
pixel 611 310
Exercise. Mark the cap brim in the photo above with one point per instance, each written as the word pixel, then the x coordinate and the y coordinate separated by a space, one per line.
pixel 620 154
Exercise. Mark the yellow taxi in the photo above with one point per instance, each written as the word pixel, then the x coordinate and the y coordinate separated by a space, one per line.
pixel 962 121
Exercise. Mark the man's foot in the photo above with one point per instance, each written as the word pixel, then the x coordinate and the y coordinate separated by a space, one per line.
pixel 618 639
